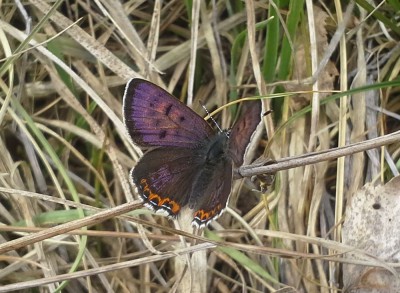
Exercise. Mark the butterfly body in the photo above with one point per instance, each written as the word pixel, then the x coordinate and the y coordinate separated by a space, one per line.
pixel 187 164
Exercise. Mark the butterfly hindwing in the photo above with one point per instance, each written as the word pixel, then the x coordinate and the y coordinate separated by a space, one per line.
pixel 164 178
pixel 213 197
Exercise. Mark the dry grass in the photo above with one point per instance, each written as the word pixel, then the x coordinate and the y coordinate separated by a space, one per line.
pixel 65 193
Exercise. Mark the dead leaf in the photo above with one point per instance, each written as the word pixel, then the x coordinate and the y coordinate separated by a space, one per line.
pixel 372 224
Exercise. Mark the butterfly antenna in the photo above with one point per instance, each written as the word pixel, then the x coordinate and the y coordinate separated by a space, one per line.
pixel 211 117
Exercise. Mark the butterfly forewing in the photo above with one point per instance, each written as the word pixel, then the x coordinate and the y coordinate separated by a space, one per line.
pixel 242 131
pixel 155 118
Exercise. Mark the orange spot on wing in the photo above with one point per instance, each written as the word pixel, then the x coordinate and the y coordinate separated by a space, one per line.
pixel 158 201
pixel 204 216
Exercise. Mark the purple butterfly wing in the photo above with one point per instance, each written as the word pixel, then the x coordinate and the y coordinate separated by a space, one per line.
pixel 243 130
pixel 213 197
pixel 155 118
pixel 164 178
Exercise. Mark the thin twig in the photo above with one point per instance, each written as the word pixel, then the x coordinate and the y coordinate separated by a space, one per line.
pixel 316 157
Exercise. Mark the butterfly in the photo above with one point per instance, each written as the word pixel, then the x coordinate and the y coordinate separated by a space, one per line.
pixel 187 163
